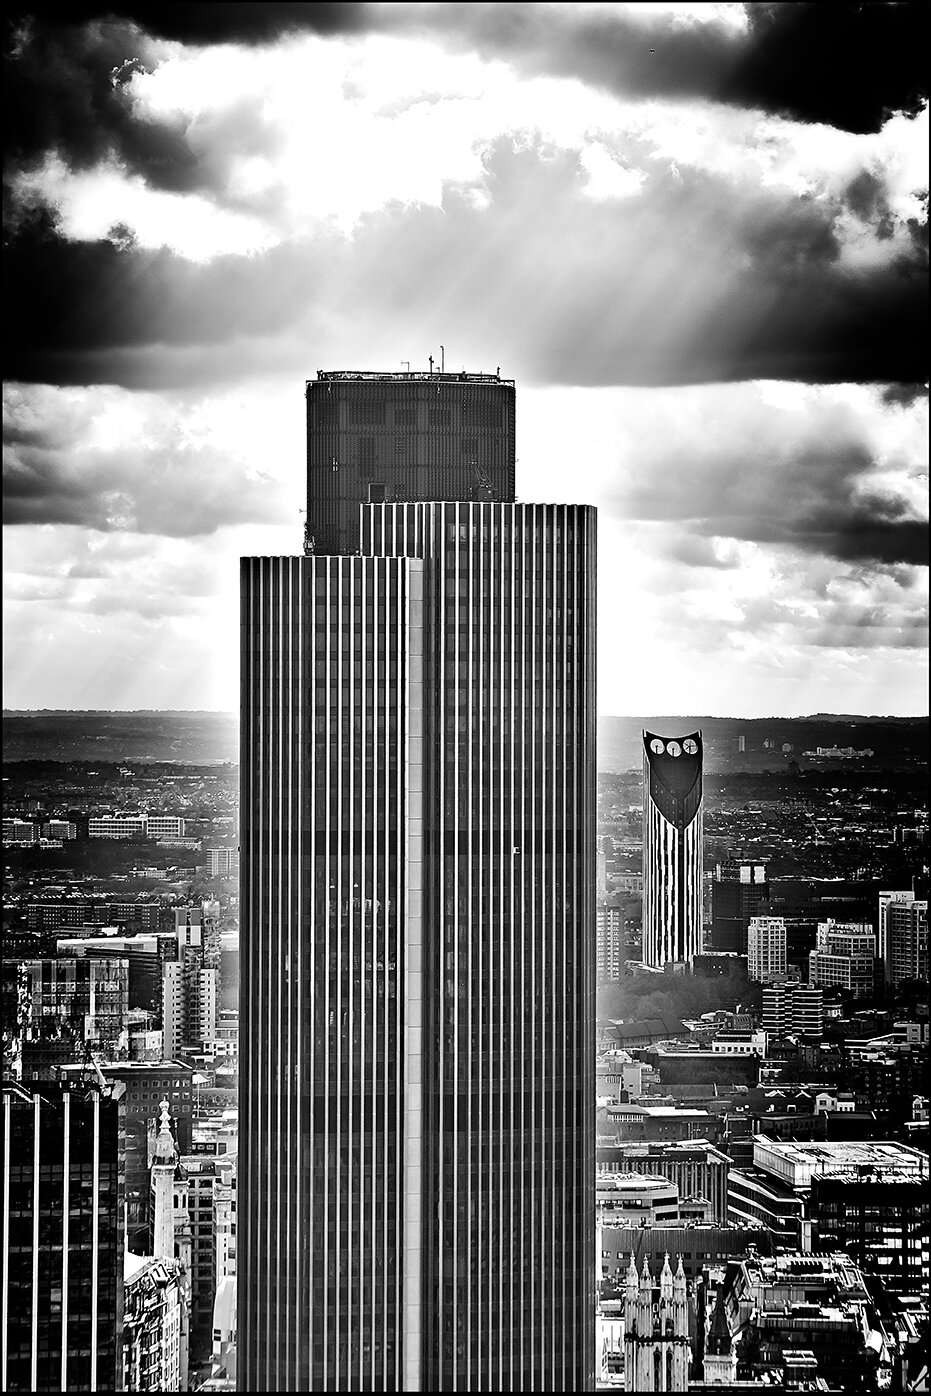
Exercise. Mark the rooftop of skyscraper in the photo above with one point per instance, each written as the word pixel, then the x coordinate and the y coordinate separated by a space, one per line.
pixel 350 375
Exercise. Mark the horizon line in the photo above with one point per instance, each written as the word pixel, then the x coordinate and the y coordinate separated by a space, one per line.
pixel 623 717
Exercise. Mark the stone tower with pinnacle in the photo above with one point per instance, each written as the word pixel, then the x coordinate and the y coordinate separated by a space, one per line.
pixel 656 1329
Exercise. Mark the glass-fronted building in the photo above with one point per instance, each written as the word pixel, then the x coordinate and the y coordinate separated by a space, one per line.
pixel 418 857
pixel 63 1239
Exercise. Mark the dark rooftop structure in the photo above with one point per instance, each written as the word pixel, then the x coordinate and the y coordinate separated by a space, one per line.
pixel 377 437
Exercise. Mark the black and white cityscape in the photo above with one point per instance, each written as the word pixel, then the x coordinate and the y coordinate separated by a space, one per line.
pixel 465 829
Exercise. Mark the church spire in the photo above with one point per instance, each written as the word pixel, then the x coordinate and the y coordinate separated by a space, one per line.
pixel 719 1334
pixel 646 1279
pixel 632 1273
pixel 665 1279
pixel 679 1282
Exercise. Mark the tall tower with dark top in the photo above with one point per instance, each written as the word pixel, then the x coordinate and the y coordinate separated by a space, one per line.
pixel 672 849
pixel 418 878
pixel 378 437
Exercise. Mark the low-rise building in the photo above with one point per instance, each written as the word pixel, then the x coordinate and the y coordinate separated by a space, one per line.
pixel 634 1199
pixel 116 826
pixel 659 1122
pixel 697 1168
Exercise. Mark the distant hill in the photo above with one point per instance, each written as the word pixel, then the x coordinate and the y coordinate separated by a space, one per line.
pixel 190 738
pixel 897 742
pixel 204 738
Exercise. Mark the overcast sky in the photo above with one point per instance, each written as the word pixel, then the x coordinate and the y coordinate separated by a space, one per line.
pixel 695 234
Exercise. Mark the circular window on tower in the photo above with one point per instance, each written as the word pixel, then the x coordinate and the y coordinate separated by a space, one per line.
pixel 657 746
pixel 690 746
pixel 673 749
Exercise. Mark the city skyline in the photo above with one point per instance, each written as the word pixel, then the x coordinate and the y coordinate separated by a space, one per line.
pixel 705 283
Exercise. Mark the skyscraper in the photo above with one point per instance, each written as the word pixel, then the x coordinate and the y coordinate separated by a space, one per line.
pixel 418 867
pixel 672 849
pixel 62 1241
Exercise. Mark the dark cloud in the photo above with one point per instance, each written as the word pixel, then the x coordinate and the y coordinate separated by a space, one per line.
pixel 66 66
pixel 80 307
pixel 904 394
pixel 206 23
pixel 700 279
pixel 810 492
pixel 846 65
pixel 64 93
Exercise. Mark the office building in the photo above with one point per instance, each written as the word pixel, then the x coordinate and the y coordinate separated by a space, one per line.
pixel 418 746
pixel 61 829
pixel 903 936
pixel 190 1003
pixel 766 949
pixel 739 891
pixel 77 913
pixel 221 862
pixel 145 1084
pixel 793 1009
pixel 634 1199
pixel 672 849
pixel 136 826
pixel 19 831
pixel 790 1180
pixel 66 1006
pixel 609 949
pixel 165 826
pixel 696 1167
pixel 145 956
pixel 814 899
pixel 844 958
pixel 116 826
pixel 884 899
pixel 62 1259
pixel 880 1218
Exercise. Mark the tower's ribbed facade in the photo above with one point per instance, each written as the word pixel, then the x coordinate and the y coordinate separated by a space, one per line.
pixel 672 848
pixel 418 930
